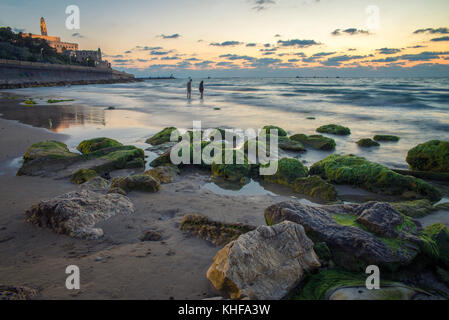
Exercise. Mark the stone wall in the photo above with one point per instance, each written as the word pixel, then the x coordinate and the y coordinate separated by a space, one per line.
pixel 16 74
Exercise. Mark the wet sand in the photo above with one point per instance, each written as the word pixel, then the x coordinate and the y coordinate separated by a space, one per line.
pixel 119 266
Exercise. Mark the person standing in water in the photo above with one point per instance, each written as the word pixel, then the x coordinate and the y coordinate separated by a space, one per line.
pixel 202 89
pixel 189 89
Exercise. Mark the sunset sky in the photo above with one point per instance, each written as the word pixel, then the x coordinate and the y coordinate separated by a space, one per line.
pixel 252 37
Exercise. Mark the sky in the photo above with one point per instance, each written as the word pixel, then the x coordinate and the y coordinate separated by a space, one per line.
pixel 252 37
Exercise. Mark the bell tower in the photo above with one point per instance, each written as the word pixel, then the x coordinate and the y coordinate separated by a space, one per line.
pixel 43 27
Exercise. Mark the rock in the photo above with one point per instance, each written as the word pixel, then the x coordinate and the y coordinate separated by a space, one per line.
pixel 289 169
pixel 415 208
pixel 151 235
pixel 265 263
pixel 162 148
pixel 316 187
pixel 138 182
pixel 281 132
pixel 162 159
pixel 83 175
pixel 430 156
pixel 96 184
pixel 286 143
pixel 216 232
pixel 88 146
pixel 442 206
pixel 17 293
pixel 436 243
pixel 318 142
pixel 367 143
pixel 334 129
pixel 76 213
pixel 371 176
pixel 353 246
pixel 427 175
pixel 384 224
pixel 164 173
pixel 53 159
pixel 161 137
pixel 232 172
pixel 117 190
pixel 390 138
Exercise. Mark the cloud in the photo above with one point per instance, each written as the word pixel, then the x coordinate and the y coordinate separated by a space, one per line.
pixel 171 36
pixel 297 43
pixel 77 35
pixel 433 31
pixel 192 59
pixel 18 30
pixel 440 39
pixel 170 58
pixel 226 44
pixel 336 61
pixel 388 51
pixel 262 4
pixel 123 61
pixel 423 56
pixel 349 31
pixel 128 51
pixel 263 62
pixel 293 60
pixel 160 53
pixel 237 57
pixel 416 47
pixel 251 44
pixel 277 35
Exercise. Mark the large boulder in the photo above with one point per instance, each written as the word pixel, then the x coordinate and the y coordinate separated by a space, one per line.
pixel 233 171
pixel 281 132
pixel 76 213
pixel 315 141
pixel 334 129
pixel 53 159
pixel 371 176
pixel 265 263
pixel 430 156
pixel 356 234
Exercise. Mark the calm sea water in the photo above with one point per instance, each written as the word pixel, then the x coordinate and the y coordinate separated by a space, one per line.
pixel 417 110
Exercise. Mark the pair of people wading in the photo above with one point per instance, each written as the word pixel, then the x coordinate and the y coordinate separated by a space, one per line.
pixel 189 89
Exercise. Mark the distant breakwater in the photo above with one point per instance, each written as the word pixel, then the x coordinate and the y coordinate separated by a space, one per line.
pixel 22 74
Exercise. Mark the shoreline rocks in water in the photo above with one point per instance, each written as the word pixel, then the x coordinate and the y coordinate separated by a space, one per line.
pixel 367 143
pixel 373 177
pixel 76 213
pixel 386 138
pixel 162 136
pixel 430 156
pixel 317 188
pixel 266 263
pixel 218 233
pixel 334 129
pixel 315 141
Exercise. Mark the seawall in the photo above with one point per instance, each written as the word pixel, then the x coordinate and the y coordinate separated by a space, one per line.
pixel 21 74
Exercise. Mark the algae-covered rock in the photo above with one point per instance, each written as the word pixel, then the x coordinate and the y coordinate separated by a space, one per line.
pixel 266 263
pixel 371 176
pixel 389 138
pixel 83 175
pixel 161 137
pixel 216 232
pixel 289 169
pixel 165 173
pixel 430 156
pixel 48 150
pixel 161 160
pixel 286 143
pixel 316 187
pixel 426 175
pixel 115 158
pixel 367 143
pixel 336 284
pixel 414 208
pixel 316 141
pixel 334 129
pixel 436 243
pixel 353 245
pixel 17 293
pixel 234 171
pixel 91 145
pixel 281 132
pixel 138 182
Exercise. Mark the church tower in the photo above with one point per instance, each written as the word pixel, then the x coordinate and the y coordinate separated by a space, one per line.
pixel 43 27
